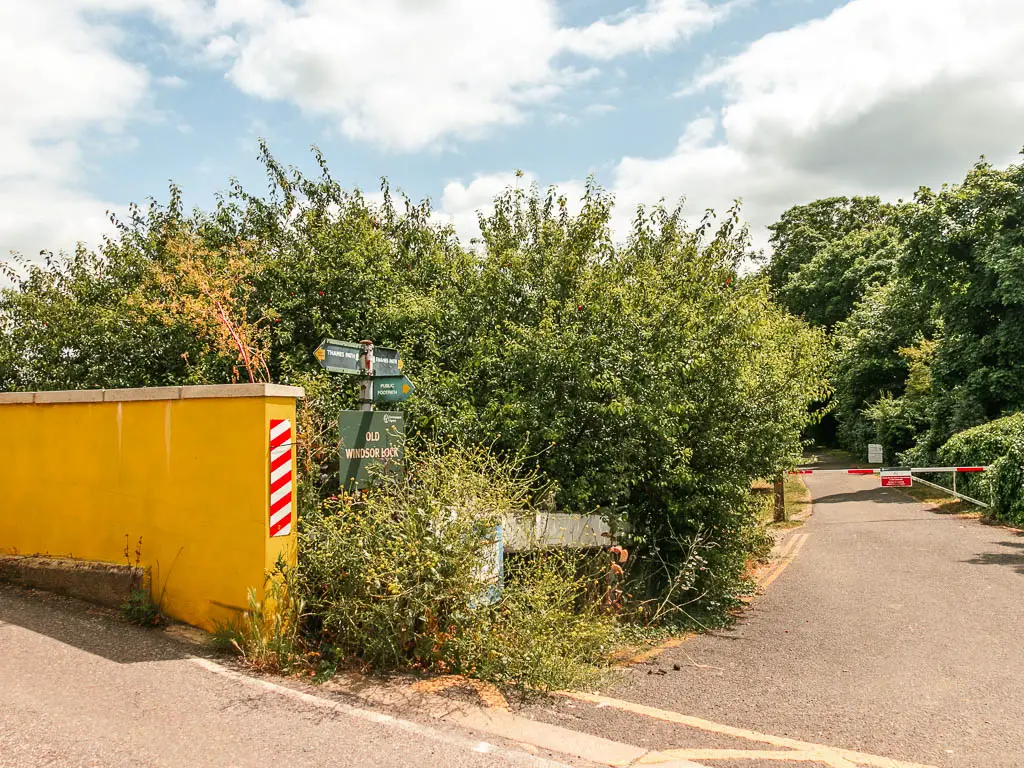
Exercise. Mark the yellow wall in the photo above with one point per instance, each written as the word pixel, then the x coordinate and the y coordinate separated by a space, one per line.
pixel 187 474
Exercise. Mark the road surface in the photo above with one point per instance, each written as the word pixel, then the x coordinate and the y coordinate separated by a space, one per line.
pixel 891 630
pixel 886 636
pixel 81 688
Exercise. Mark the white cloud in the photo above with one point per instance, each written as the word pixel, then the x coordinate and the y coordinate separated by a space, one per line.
pixel 461 203
pixel 408 75
pixel 404 74
pixel 561 118
pixel 658 27
pixel 599 109
pixel 877 98
pixel 69 83
pixel 171 81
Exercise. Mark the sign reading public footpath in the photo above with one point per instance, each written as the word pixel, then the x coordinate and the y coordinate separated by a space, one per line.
pixel 392 389
pixel 369 438
pixel 897 477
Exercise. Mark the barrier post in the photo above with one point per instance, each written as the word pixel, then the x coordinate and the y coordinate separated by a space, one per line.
pixel 780 500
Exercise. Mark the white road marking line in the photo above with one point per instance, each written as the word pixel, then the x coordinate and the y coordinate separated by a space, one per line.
pixel 470 745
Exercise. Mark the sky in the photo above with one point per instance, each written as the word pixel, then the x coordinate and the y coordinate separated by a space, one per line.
pixel 777 102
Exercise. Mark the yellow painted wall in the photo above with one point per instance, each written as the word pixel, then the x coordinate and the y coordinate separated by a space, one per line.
pixel 190 476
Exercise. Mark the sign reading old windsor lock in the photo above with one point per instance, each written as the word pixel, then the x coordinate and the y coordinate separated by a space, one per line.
pixel 368 438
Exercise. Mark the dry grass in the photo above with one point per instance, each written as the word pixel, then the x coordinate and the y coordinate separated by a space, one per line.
pixel 798 501
pixel 944 503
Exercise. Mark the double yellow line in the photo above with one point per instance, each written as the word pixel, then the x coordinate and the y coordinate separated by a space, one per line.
pixel 785 557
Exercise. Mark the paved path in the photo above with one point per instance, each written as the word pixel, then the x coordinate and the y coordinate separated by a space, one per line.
pixel 894 631
pixel 887 636
pixel 78 688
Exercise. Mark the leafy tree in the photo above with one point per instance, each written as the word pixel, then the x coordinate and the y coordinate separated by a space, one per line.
pixel 925 301
pixel 804 231
pixel 646 380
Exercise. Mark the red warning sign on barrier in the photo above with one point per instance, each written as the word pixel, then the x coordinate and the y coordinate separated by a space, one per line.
pixel 897 478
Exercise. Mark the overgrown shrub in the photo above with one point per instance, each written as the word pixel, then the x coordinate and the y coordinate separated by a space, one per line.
pixel 646 377
pixel 999 444
pixel 395 579
pixel 983 444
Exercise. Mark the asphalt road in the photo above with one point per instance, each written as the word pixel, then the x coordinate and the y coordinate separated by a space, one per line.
pixel 894 631
pixel 80 688
pixel 886 636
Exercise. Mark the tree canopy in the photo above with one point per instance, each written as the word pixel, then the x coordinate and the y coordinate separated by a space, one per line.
pixel 924 300
pixel 647 380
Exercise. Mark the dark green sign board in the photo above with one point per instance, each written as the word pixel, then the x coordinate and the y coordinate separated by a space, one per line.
pixel 392 389
pixel 387 362
pixel 338 356
pixel 370 438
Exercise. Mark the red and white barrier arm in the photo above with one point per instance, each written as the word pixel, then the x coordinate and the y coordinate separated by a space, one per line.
pixel 879 469
pixel 834 471
pixel 948 469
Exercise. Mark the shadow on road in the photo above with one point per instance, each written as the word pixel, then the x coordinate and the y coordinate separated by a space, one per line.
pixel 96 630
pixel 1013 559
pixel 879 495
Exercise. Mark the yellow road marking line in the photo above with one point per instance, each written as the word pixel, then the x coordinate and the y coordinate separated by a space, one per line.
pixel 780 558
pixel 828 757
pixel 487 693
pixel 783 755
pixel 800 540
pixel 858 758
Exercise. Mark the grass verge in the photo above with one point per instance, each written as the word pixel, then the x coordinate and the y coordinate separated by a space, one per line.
pixel 798 502
pixel 944 503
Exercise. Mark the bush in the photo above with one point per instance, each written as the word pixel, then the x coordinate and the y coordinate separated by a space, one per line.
pixel 999 444
pixel 646 379
pixel 394 579
pixel 984 444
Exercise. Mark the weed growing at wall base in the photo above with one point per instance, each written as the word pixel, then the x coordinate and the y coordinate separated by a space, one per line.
pixel 268 635
pixel 138 607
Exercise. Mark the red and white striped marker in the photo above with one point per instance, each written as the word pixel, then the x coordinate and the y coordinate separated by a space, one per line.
pixel 280 477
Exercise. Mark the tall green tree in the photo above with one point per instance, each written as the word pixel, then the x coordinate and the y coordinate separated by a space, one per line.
pixel 645 380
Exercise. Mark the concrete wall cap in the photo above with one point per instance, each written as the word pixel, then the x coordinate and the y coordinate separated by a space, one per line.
pixel 241 390
pixel 17 397
pixel 141 393
pixel 70 396
pixel 197 392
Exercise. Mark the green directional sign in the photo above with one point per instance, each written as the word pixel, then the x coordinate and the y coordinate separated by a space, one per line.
pixel 387 362
pixel 368 439
pixel 392 389
pixel 338 356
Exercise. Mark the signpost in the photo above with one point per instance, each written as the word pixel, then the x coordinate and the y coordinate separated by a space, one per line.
pixel 387 362
pixel 367 437
pixel 874 453
pixel 897 477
